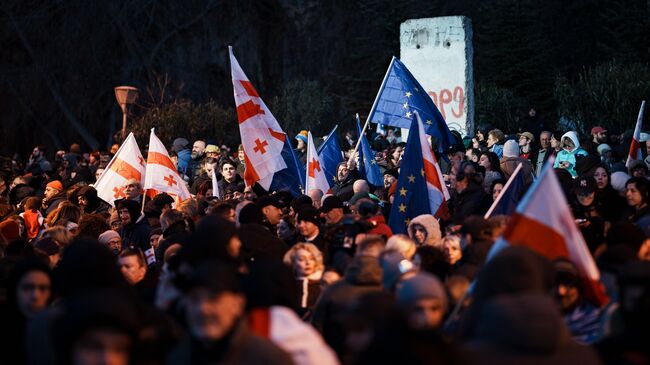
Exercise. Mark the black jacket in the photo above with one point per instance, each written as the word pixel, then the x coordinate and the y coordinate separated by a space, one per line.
pixel 471 201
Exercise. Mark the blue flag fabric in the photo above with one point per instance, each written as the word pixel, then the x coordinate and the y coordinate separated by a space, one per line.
pixel 367 164
pixel 399 96
pixel 510 198
pixel 291 178
pixel 411 195
pixel 330 156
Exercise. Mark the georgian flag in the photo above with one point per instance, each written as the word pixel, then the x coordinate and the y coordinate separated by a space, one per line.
pixel 261 135
pixel 315 176
pixel 161 174
pixel 127 164
pixel 635 150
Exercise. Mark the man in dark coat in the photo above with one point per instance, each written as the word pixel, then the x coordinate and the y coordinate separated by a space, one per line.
pixel 135 227
pixel 469 198
pixel 345 178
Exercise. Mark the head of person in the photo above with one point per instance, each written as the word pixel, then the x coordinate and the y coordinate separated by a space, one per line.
pixel 451 245
pixel 526 139
pixel 496 187
pixel 301 139
pixel 332 209
pixel 568 144
pixel 285 229
pixel 360 186
pixel 225 211
pixel 128 210
pixel 545 139
pixel 532 112
pixel 53 188
pixel 638 169
pixel 308 222
pixel 198 149
pixel 402 244
pixel 316 196
pixel 133 265
pixel 271 208
pixel 424 300
pixel 228 171
pixel 212 152
pixel 112 240
pixel 556 138
pixel 425 230
pixel 511 149
pixel 390 177
pixel 249 193
pixel 602 177
pixel 132 189
pixel 397 153
pixel 215 302
pixel 568 290
pixel 584 188
pixel 636 192
pixel 342 171
pixel 305 259
pixel 241 155
pixel 30 287
pixel 495 136
pixel 599 134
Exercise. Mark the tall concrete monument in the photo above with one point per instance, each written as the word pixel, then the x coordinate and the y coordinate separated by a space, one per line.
pixel 439 53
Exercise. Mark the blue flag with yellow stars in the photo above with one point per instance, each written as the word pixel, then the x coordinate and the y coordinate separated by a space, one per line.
pixel 367 164
pixel 399 96
pixel 411 195
pixel 330 156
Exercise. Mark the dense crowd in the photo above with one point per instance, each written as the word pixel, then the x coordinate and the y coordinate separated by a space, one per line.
pixel 251 277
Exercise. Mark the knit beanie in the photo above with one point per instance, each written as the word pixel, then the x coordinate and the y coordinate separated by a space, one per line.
pixel 55 184
pixel 422 286
pixel 309 214
pixel 250 213
pixel 107 236
pixel 511 149
pixel 302 136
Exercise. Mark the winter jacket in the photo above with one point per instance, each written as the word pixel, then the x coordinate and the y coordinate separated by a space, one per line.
pixel 567 159
pixel 183 164
pixel 240 347
pixel 430 223
pixel 509 164
pixel 524 328
pixel 363 276
pixel 343 189
pixel 136 234
pixel 54 203
pixel 471 201
pixel 498 149
pixel 309 290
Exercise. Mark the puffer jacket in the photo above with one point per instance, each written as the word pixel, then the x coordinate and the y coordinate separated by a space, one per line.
pixel 567 159
pixel 430 223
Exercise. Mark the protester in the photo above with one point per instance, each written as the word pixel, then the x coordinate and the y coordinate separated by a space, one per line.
pixel 307 263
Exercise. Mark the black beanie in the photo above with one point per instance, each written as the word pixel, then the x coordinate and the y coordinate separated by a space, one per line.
pixel 250 213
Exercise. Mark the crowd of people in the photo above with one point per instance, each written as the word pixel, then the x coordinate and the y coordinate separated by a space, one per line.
pixel 248 276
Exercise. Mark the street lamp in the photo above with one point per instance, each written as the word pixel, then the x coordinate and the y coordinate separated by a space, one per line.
pixel 125 95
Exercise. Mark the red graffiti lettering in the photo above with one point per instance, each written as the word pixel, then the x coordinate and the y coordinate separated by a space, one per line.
pixel 446 100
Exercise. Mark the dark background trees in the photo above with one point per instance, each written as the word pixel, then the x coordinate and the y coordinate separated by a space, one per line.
pixel 315 63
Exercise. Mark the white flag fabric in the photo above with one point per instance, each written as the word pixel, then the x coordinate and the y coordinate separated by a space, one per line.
pixel 127 164
pixel 261 135
pixel 315 178
pixel 161 173
pixel 635 146
pixel 215 184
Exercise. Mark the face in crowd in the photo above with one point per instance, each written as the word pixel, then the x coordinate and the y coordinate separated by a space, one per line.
pixel 228 171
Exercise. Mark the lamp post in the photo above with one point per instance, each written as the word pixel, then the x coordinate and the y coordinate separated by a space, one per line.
pixel 125 95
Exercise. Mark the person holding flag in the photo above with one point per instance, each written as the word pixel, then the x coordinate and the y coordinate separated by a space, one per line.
pixel 316 179
pixel 420 188
pixel 127 165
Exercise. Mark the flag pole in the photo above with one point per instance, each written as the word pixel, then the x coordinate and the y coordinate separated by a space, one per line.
pixel 356 148
pixel 505 188
pixel 144 195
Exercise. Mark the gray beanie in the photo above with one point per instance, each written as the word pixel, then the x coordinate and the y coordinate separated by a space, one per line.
pixel 422 286
pixel 107 236
pixel 511 149
pixel 179 144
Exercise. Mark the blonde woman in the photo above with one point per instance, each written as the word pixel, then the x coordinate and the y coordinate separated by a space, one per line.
pixel 306 260
pixel 451 245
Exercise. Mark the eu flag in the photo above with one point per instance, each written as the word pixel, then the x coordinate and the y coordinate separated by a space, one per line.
pixel 291 178
pixel 330 156
pixel 399 96
pixel 367 164
pixel 411 195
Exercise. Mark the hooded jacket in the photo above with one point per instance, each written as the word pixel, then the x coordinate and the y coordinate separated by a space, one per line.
pixel 432 226
pixel 510 161
pixel 567 159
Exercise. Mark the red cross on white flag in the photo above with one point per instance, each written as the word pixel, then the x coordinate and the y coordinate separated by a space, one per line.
pixel 261 135
pixel 315 178
pixel 124 166
pixel 161 172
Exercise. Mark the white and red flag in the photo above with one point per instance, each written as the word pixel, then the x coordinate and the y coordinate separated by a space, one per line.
pixel 161 173
pixel 315 178
pixel 436 189
pixel 635 150
pixel 543 222
pixel 261 135
pixel 127 164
